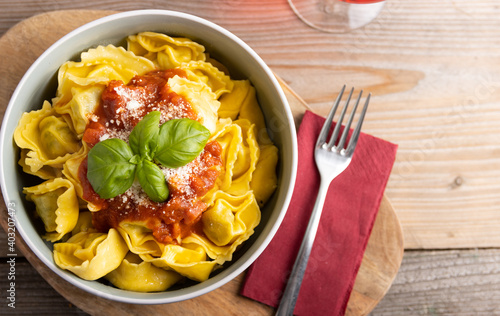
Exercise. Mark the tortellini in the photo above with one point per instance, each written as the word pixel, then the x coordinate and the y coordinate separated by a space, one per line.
pixel 84 100
pixel 91 255
pixel 128 255
pixel 140 240
pixel 208 74
pixel 57 205
pixel 187 259
pixel 47 141
pixel 241 152
pixel 167 52
pixel 264 179
pixel 227 224
pixel 230 218
pixel 201 98
pixel 232 102
pixel 81 83
pixel 56 138
pixel 133 274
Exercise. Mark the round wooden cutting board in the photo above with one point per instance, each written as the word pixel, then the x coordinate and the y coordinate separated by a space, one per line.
pixel 20 47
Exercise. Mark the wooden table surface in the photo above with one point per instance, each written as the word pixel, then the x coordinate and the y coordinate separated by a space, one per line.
pixel 434 70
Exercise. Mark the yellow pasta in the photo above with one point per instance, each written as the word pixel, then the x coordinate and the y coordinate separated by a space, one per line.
pixel 208 74
pixel 131 248
pixel 231 102
pixel 241 152
pixel 84 223
pixel 250 110
pixel 201 97
pixel 230 218
pixel 140 240
pixel 227 224
pixel 84 100
pixel 264 179
pixel 189 260
pixel 57 205
pixel 46 172
pixel 168 52
pixel 71 168
pixel 91 255
pixel 47 140
pixel 133 274
pixel 97 67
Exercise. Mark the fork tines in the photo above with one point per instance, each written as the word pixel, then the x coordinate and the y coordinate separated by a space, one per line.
pixel 334 144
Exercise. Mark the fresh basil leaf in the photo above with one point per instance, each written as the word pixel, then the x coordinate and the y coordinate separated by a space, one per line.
pixel 152 180
pixel 135 159
pixel 143 138
pixel 180 141
pixel 109 171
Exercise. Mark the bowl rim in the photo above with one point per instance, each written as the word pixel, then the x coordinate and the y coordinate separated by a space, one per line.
pixel 137 297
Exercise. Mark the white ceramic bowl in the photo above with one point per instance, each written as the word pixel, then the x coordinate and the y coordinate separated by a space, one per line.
pixel 39 83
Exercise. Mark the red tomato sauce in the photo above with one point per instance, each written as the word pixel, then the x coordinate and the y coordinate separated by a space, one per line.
pixel 122 107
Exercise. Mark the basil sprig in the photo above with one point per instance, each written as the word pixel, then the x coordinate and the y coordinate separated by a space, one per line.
pixel 113 165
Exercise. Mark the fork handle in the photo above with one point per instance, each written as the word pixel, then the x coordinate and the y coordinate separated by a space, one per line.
pixel 291 293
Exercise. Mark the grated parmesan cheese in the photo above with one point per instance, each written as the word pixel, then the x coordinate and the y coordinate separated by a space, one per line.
pixel 103 137
pixel 133 105
pixel 136 105
pixel 136 194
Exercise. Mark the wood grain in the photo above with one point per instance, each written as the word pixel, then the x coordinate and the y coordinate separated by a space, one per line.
pixel 434 68
pixel 432 57
pixel 381 259
pixel 380 264
pixel 452 282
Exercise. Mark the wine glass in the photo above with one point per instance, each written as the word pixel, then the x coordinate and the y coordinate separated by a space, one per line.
pixel 336 16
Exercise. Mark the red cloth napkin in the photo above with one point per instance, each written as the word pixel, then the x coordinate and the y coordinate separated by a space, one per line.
pixel 350 209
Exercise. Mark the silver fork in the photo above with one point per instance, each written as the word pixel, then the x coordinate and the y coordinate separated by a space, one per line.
pixel 331 160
